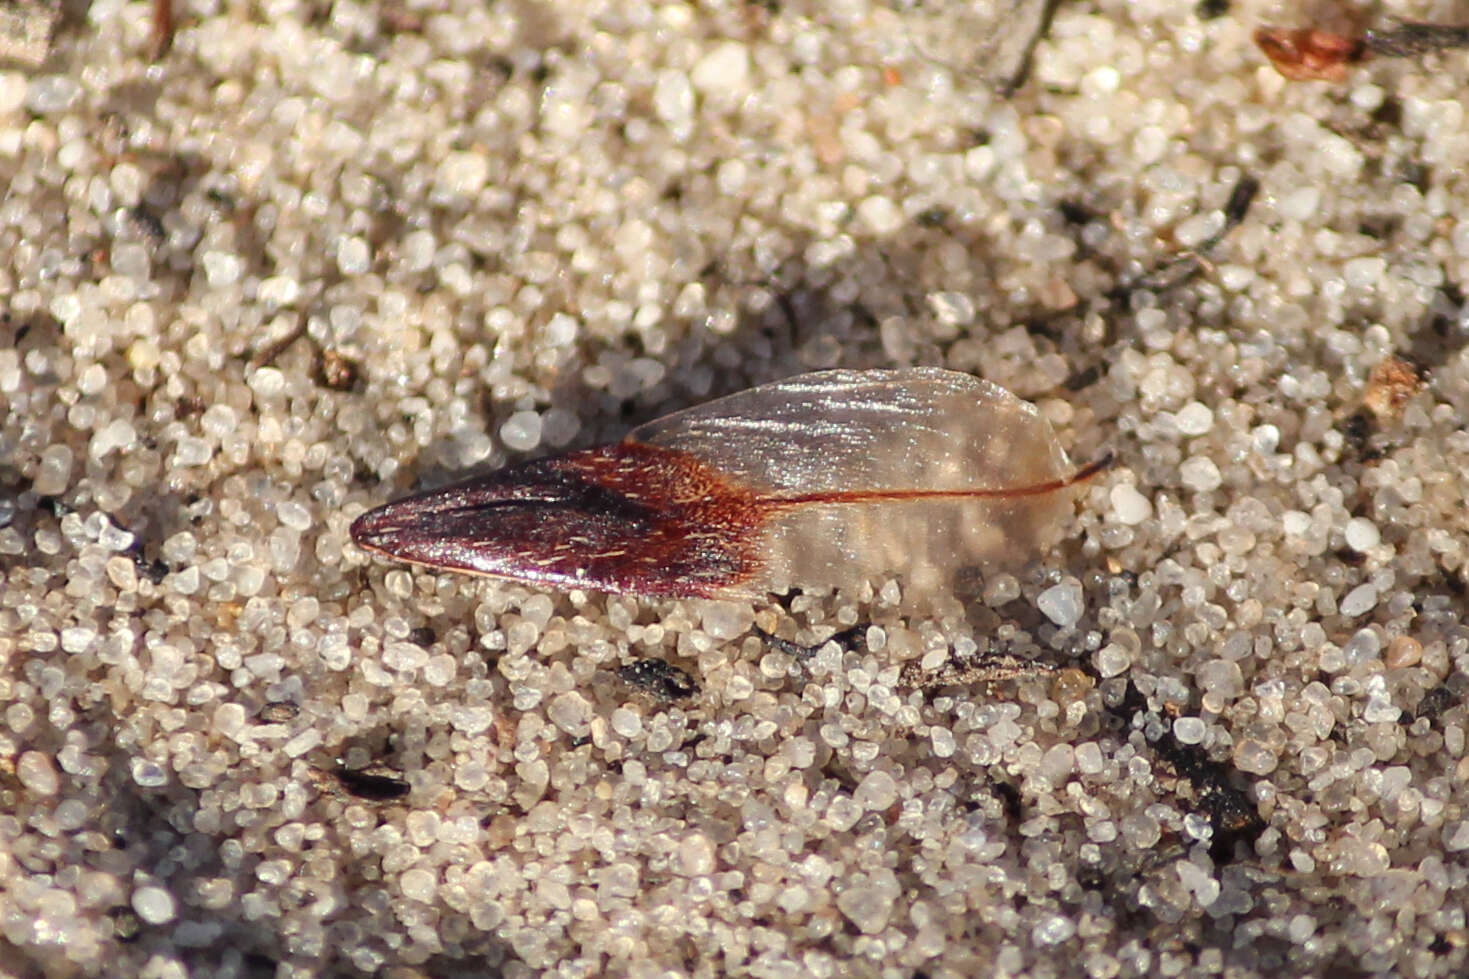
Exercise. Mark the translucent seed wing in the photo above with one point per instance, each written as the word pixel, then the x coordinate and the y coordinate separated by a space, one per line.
pixel 929 543
pixel 918 428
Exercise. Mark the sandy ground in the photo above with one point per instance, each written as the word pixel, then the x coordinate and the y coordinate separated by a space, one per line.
pixel 317 255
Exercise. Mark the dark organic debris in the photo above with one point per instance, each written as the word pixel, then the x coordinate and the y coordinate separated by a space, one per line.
pixel 371 786
pixel 1238 205
pixel 278 712
pixel 847 639
pixel 1232 816
pixel 1175 270
pixel 659 679
pixel 1443 697
pixel 985 666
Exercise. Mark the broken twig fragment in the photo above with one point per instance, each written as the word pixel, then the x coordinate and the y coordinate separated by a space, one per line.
pixel 370 785
pixel 659 679
pixel 846 639
pixel 819 480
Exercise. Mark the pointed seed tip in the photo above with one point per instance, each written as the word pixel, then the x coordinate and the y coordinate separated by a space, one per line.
pixel 361 527
pixel 368 530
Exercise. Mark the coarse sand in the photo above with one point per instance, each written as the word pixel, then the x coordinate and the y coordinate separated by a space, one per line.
pixel 316 255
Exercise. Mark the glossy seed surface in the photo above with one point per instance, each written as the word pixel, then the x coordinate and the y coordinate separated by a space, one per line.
pixel 818 480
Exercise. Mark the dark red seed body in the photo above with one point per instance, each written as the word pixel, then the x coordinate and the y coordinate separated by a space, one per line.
pixel 627 517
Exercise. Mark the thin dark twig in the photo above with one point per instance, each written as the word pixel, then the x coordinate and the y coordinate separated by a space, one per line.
pixel 846 639
pixel 1021 74
pixel 1238 205
pixel 161 35
pixel 1410 40
pixel 274 348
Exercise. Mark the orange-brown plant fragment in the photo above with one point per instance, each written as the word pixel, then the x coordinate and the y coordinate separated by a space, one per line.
pixel 1308 54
